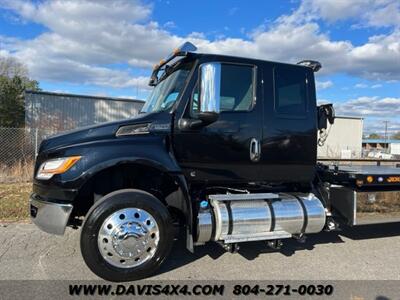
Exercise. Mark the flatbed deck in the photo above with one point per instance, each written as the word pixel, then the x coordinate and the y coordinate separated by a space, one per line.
pixel 360 175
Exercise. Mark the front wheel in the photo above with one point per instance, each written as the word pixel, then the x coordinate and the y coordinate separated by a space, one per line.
pixel 126 235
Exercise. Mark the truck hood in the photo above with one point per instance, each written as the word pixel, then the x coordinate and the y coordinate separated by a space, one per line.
pixel 96 132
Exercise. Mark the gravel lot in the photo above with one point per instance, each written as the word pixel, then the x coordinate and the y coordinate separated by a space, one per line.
pixel 370 252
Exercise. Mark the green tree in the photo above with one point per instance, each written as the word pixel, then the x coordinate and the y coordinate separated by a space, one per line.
pixel 14 81
pixel 396 136
pixel 374 136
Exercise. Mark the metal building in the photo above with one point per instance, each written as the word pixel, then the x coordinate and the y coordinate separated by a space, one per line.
pixel 388 146
pixel 344 139
pixel 57 112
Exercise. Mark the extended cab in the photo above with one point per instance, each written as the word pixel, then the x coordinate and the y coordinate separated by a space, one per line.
pixel 225 148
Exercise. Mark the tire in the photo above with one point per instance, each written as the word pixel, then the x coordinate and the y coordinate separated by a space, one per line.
pixel 127 236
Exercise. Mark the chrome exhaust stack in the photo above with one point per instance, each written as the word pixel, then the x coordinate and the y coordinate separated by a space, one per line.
pixel 234 218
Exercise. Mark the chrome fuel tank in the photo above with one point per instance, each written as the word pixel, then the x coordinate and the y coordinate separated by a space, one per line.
pixel 256 217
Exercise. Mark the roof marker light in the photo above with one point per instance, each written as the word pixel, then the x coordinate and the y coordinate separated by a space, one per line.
pixel 313 64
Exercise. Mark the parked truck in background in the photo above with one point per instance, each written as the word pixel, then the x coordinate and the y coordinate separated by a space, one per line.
pixel 225 148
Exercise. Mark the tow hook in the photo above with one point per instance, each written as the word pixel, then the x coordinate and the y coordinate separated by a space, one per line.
pixel 75 223
pixel 301 238
pixel 231 248
pixel 275 244
pixel 331 225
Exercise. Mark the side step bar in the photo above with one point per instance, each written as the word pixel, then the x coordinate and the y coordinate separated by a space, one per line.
pixel 272 235
pixel 236 197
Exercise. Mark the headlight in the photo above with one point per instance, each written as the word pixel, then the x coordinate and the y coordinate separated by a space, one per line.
pixel 56 166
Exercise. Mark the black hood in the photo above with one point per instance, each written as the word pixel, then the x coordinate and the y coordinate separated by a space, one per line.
pixel 95 132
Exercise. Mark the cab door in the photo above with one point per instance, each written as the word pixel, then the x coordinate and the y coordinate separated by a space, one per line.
pixel 289 143
pixel 226 150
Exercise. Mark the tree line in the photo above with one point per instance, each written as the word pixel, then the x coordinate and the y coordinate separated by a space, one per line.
pixel 14 80
pixel 374 136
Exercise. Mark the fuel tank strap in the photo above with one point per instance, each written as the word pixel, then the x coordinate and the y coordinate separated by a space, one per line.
pixel 305 214
pixel 230 221
pixel 272 215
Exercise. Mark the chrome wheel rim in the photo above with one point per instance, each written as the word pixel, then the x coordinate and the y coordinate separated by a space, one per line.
pixel 128 238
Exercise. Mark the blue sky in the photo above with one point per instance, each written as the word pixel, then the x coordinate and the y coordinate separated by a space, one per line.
pixel 108 47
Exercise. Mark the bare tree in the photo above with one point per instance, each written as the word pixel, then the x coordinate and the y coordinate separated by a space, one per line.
pixel 396 136
pixel 10 67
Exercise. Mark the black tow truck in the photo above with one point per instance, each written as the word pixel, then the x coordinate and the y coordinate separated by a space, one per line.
pixel 225 148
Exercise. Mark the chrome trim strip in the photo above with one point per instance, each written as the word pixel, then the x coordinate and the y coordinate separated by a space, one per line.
pixel 239 238
pixel 232 197
pixel 354 208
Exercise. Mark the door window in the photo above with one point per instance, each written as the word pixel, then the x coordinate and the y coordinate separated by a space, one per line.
pixel 236 90
pixel 237 87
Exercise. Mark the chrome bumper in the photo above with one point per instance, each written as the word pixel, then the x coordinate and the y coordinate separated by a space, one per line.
pixel 48 216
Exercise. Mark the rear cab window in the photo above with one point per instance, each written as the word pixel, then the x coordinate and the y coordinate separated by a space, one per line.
pixel 290 91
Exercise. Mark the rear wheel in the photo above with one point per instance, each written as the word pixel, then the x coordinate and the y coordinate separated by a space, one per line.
pixel 126 235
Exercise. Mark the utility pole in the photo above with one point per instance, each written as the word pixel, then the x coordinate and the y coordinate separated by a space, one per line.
pixel 386 128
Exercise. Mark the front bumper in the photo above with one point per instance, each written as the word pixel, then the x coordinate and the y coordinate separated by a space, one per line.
pixel 49 216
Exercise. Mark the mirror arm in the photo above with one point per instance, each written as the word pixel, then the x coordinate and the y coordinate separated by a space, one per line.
pixel 190 123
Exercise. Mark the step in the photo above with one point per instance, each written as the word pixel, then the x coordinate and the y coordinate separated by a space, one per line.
pixel 273 235
pixel 232 197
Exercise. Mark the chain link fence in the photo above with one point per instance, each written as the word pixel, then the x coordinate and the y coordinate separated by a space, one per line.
pixel 49 113
pixel 18 149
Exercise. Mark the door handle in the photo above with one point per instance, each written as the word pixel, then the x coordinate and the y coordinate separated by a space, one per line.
pixel 255 150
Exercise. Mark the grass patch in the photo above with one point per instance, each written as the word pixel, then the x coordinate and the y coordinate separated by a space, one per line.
pixel 14 201
pixel 18 172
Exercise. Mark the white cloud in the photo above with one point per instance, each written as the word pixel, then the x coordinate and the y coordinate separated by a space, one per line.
pixel 366 13
pixel 374 110
pixel 232 11
pixel 378 126
pixel 169 25
pixel 370 107
pixel 330 10
pixel 323 101
pixel 364 86
pixel 85 38
pixel 321 85
pixel 384 16
pixel 360 86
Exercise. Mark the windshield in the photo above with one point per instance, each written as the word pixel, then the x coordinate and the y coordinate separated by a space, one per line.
pixel 164 95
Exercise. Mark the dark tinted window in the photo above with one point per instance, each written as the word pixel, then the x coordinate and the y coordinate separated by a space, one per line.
pixel 290 90
pixel 195 99
pixel 236 87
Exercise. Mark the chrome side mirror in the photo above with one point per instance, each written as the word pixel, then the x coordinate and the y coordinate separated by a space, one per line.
pixel 210 96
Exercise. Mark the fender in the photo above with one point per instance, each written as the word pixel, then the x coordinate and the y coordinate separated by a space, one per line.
pixel 152 150
pixel 179 178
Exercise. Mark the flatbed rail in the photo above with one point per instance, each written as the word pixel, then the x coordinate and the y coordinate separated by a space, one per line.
pixel 378 162
pixel 359 174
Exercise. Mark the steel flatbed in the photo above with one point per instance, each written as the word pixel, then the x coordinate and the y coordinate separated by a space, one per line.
pixel 360 176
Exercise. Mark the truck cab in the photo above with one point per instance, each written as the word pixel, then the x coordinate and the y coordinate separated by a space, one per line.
pixel 225 148
pixel 264 127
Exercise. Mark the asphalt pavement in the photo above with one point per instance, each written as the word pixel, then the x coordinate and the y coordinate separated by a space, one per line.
pixel 368 252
